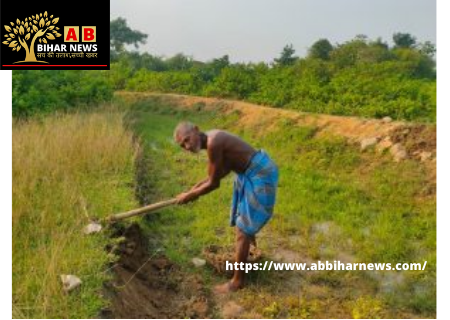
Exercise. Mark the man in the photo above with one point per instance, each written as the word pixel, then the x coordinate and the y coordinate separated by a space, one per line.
pixel 254 187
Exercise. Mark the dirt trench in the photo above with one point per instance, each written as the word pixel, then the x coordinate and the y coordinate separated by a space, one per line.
pixel 147 284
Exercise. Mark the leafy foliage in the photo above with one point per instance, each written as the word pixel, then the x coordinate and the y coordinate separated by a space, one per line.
pixel 286 57
pixel 43 91
pixel 321 49
pixel 360 77
pixel 180 82
pixel 233 82
pixel 404 40
pixel 120 35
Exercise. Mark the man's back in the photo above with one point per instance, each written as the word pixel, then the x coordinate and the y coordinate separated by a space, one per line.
pixel 236 152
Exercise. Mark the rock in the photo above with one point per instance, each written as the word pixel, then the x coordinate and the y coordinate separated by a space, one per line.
pixel 406 131
pixel 92 227
pixel 398 152
pixel 386 119
pixel 70 282
pixel 425 155
pixel 366 143
pixel 384 144
pixel 198 262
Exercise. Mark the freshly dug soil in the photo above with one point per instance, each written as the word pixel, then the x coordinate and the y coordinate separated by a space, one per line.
pixel 217 256
pixel 149 285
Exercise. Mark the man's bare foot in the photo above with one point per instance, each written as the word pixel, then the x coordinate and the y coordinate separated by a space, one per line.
pixel 226 287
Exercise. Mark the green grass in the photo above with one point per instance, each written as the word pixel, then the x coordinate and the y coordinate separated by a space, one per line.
pixel 372 208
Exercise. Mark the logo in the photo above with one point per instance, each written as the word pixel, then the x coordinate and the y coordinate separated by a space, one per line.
pixel 37 27
pixel 60 38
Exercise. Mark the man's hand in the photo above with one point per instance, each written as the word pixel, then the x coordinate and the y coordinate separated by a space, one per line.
pixel 186 197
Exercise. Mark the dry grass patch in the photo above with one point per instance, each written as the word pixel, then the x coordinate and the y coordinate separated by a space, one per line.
pixel 66 170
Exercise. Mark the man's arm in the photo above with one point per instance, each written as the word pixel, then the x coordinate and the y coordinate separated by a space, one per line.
pixel 216 171
pixel 198 184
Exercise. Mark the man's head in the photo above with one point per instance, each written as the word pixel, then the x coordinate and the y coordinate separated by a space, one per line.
pixel 187 135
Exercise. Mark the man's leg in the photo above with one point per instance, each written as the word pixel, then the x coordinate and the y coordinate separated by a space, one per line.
pixel 253 241
pixel 242 249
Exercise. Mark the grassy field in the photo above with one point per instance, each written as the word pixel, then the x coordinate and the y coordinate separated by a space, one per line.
pixel 334 203
pixel 66 170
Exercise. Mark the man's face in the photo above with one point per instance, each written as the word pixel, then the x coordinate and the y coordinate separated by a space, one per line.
pixel 190 140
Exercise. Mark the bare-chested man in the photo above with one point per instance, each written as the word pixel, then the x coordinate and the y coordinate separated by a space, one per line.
pixel 254 188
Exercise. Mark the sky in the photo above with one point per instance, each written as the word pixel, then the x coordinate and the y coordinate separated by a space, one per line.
pixel 257 30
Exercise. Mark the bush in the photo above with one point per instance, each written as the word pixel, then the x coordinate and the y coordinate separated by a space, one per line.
pixel 179 82
pixel 233 82
pixel 359 77
pixel 42 91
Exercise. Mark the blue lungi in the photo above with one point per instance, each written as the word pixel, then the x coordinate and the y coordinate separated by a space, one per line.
pixel 254 194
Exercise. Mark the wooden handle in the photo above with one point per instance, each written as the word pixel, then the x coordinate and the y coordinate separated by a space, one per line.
pixel 136 212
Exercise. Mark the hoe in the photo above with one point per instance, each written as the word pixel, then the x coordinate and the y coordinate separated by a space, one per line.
pixel 94 227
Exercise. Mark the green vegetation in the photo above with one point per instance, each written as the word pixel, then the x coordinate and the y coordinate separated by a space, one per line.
pixel 41 91
pixel 333 199
pixel 121 35
pixel 360 77
pixel 67 169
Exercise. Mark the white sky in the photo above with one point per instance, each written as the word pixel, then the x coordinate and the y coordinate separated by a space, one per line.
pixel 257 30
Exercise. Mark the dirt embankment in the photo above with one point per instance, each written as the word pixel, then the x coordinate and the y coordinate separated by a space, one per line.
pixel 400 139
pixel 404 140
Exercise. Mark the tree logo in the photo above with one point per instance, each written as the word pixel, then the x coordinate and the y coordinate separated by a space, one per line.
pixel 34 27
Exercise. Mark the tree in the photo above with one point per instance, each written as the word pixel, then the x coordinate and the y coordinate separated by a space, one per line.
pixel 219 63
pixel 380 43
pixel 236 81
pixel 121 34
pixel 23 30
pixel 404 40
pixel 375 51
pixel 321 49
pixel 347 54
pixel 287 57
pixel 150 62
pixel 427 48
pixel 179 62
pixel 207 72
